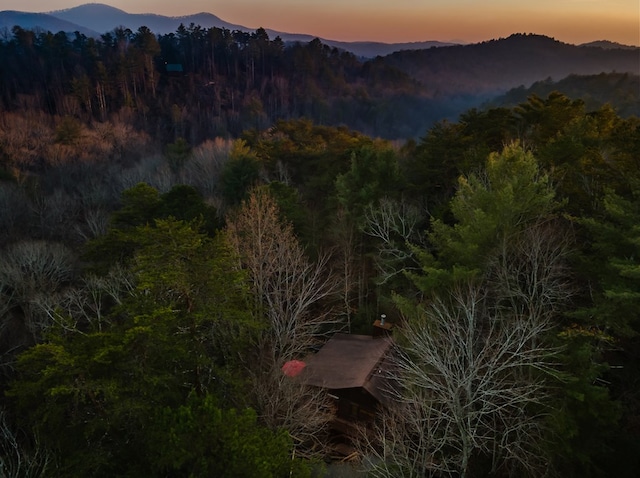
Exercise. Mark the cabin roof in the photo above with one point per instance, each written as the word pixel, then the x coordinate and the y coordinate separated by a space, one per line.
pixel 350 361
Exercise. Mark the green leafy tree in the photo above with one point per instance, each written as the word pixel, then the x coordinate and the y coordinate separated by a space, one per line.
pixel 475 365
pixel 584 157
pixel 177 154
pixel 451 149
pixel 310 156
pixel 68 131
pixel 374 174
pixel 148 45
pixel 187 204
pixel 608 331
pixel 290 206
pixel 95 395
pixel 490 208
pixel 614 253
pixel 240 173
pixel 207 440
pixel 543 118
pixel 140 206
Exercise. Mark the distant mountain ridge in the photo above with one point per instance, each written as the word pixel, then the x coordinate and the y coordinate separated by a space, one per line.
pixel 94 19
pixel 104 18
pixel 44 21
pixel 485 69
pixel 248 82
pixel 495 66
pixel 608 45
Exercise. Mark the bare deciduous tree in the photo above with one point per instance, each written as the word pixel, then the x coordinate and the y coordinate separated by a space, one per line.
pixel 204 169
pixel 152 170
pixel 87 303
pixel 95 223
pixel 286 284
pixel 394 224
pixel 473 390
pixel 287 289
pixel 29 270
pixel 18 460
pixel 287 403
pixel 530 272
pixel 475 368
pixel 55 215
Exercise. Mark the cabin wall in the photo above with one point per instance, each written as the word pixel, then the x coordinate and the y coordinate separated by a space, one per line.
pixel 355 404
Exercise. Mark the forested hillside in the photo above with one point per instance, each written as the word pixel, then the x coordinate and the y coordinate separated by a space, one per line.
pixel 169 239
pixel 494 66
pixel 93 19
pixel 197 83
pixel 150 299
pixel 620 90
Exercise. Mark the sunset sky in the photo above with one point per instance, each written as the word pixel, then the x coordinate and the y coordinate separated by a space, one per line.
pixel 571 21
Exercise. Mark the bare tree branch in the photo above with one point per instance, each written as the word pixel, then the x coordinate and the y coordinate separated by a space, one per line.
pixel 18 460
pixel 287 285
pixel 287 289
pixel 394 224
pixel 30 270
pixel 473 388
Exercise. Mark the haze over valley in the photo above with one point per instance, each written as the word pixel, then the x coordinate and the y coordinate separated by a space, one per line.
pixel 416 84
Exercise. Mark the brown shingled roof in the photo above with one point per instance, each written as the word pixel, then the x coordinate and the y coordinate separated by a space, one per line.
pixel 349 361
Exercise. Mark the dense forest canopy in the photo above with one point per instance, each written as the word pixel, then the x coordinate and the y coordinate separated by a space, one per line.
pixel 172 232
pixel 196 82
pixel 621 90
pixel 519 59
pixel 204 82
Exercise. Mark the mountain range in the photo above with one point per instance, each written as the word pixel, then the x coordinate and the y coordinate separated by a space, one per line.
pixel 391 90
pixel 94 19
pixel 494 66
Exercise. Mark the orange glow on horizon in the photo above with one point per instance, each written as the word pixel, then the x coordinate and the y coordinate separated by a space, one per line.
pixel 451 24
pixel 468 21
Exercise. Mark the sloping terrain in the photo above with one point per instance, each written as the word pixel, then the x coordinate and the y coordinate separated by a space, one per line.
pixel 94 19
pixel 496 66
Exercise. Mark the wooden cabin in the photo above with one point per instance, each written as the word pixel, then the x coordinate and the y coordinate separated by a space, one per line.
pixel 355 370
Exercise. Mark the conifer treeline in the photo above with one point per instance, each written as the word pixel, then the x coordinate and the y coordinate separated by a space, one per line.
pixel 199 82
